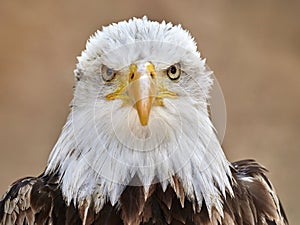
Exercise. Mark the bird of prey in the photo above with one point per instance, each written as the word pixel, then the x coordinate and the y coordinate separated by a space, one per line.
pixel 139 146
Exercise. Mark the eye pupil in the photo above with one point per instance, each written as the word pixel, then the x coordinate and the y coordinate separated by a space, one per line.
pixel 109 72
pixel 174 72
pixel 173 69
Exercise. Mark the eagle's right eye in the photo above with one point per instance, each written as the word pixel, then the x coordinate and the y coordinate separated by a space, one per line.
pixel 107 73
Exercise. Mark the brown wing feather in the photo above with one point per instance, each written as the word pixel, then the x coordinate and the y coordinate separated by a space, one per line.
pixel 132 204
pixel 35 201
pixel 255 200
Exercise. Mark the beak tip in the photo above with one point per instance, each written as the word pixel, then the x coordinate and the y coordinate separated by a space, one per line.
pixel 144 122
pixel 143 107
pixel 143 115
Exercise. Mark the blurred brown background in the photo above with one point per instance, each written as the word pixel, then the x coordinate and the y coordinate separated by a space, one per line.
pixel 253 47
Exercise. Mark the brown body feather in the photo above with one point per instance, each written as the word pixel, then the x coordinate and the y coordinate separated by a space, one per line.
pixel 40 201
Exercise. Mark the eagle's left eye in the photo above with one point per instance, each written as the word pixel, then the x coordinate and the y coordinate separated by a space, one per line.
pixel 174 72
pixel 107 73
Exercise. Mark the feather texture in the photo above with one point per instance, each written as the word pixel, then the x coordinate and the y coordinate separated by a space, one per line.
pixel 39 201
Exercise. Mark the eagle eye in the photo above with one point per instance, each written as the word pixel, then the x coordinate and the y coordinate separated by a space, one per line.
pixel 107 73
pixel 174 72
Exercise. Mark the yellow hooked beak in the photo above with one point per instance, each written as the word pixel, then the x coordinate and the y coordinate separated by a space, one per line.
pixel 142 89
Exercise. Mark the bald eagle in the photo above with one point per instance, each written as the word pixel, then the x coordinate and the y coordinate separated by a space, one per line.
pixel 138 146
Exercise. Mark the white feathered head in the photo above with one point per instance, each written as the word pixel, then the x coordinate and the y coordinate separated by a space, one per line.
pixel 139 115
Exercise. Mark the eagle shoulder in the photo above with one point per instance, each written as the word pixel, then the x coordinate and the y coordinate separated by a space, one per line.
pixel 15 206
pixel 39 201
pixel 255 200
pixel 33 200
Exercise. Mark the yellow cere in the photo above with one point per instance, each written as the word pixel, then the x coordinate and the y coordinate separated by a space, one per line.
pixel 133 68
pixel 151 70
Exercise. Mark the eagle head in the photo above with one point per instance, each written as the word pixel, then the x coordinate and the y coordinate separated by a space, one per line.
pixel 140 116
